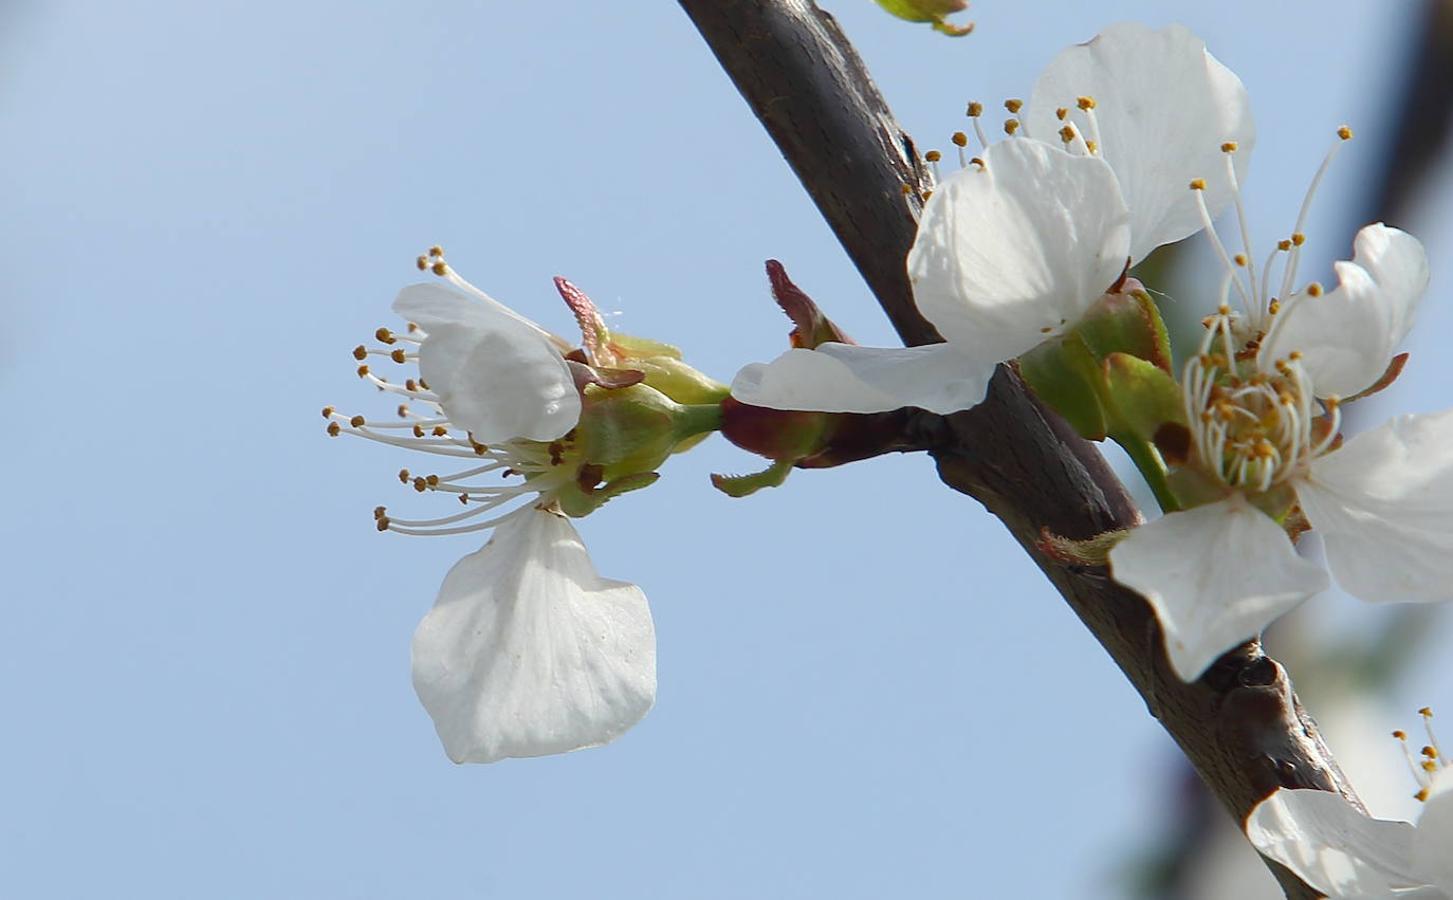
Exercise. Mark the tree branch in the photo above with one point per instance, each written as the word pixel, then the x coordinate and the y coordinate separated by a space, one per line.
pixel 1241 725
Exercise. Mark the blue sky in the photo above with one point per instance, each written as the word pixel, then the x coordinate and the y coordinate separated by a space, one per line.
pixel 865 688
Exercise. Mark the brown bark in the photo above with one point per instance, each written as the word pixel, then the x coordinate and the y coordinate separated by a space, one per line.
pixel 1240 725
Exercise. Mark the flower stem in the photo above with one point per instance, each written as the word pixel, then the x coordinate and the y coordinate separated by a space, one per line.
pixel 1152 468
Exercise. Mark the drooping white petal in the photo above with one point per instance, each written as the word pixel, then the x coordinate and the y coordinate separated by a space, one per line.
pixel 1164 106
pixel 1433 843
pixel 528 651
pixel 1216 575
pixel 1333 847
pixel 1015 251
pixel 497 375
pixel 1349 335
pixel 848 378
pixel 1383 503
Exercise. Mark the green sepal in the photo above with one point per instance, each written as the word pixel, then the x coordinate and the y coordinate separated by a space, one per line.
pixel 1065 374
pixel 1127 322
pixel 1139 397
pixel 745 485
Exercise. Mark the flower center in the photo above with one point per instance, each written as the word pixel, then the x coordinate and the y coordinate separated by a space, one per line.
pixel 1252 429
pixel 1427 761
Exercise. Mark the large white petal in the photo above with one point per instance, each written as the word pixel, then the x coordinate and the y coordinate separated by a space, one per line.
pixel 1164 107
pixel 1349 335
pixel 1017 250
pixel 1433 843
pixel 846 378
pixel 528 651
pixel 1333 847
pixel 434 303
pixel 1216 576
pixel 1383 503
pixel 500 381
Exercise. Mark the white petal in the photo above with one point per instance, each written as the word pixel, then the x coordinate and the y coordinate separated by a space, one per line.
pixel 528 651
pixel 1216 576
pixel 1349 335
pixel 434 303
pixel 1017 250
pixel 848 378
pixel 1332 847
pixel 1433 843
pixel 1164 107
pixel 1383 503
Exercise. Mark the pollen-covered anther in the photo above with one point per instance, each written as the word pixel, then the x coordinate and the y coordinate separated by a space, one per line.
pixel 1298 239
pixel 384 336
pixel 1011 126
pixel 334 429
pixel 399 356
pixel 1014 105
pixel 975 109
pixel 1085 103
pixel 328 412
pixel 360 353
pixel 933 156
pixel 1062 113
pixel 1240 259
pixel 404 476
pixel 356 421
pixel 1229 147
pixel 1344 133
pixel 960 139
pixel 1092 147
pixel 1067 134
pixel 1314 290
pixel 1198 184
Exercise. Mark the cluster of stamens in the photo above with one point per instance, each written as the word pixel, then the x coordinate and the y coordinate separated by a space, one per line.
pixel 1013 126
pixel 1253 429
pixel 1426 762
pixel 422 425
pixel 1259 304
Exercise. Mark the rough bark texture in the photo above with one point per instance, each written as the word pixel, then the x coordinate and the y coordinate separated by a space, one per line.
pixel 1241 725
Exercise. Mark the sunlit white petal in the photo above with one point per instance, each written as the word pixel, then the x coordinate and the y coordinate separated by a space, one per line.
pixel 497 375
pixel 1163 106
pixel 1383 504
pixel 528 651
pixel 1016 250
pixel 1433 843
pixel 1349 335
pixel 1333 847
pixel 851 379
pixel 1216 576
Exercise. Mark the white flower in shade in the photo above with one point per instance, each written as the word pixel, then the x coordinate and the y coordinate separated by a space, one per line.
pixel 1014 248
pixel 527 650
pixel 1347 855
pixel 1259 437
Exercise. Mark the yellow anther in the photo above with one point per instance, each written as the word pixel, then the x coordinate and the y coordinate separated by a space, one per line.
pixel 1299 239
pixel 404 476
pixel 1085 102
pixel 1314 290
pixel 1295 356
pixel 1067 134
pixel 422 262
pixel 1430 766
pixel 933 156
pixel 960 139
pixel 410 384
pixel 360 353
pixel 1092 147
pixel 356 421
pixel 398 356
pixel 925 195
pixel 418 431
pixel 333 429
pixel 382 523
pixel 1224 309
pixel 1344 133
pixel 1430 752
pixel 327 412
pixel 976 161
pixel 1229 147
pixel 1240 259
pixel 1274 307
pixel 383 335
pixel 1426 712
pixel 436 250
pixel 1061 113
pixel 423 384
pixel 1283 245
pixel 1011 126
pixel 433 480
pixel 413 328
pixel 1400 734
pixel 440 268
pixel 907 189
pixel 420 485
pixel 1421 796
pixel 976 109
pixel 440 431
pixel 1014 105
pixel 378 512
pixel 1198 184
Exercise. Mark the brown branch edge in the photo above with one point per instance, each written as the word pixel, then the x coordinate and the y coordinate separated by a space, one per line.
pixel 1241 724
